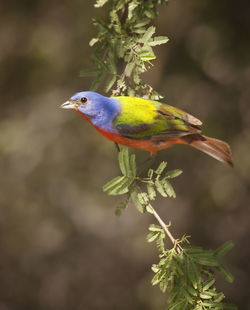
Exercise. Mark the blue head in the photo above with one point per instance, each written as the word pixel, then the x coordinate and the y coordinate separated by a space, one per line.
pixel 99 109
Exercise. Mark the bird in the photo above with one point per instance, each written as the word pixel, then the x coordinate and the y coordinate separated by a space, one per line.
pixel 145 124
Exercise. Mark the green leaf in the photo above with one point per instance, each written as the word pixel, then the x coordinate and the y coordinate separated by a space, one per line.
pixel 139 30
pixel 136 201
pixel 160 188
pixel 224 248
pixel 205 259
pixel 120 49
pixel 192 291
pixel 205 295
pixel 100 3
pixel 129 68
pixel 93 41
pixel 118 186
pixel 152 236
pixel 136 79
pixel 226 273
pixel 158 41
pixel 131 7
pixel 150 14
pixel 151 191
pixel 123 187
pixel 153 227
pixel 155 279
pixel 173 174
pixel 169 189
pixel 193 273
pixel 147 35
pixel 116 21
pixel 123 158
pixel 132 164
pixel 112 183
pixel 149 208
pixel 219 297
pixel 189 298
pixel 207 284
pixel 142 22
pixel 163 286
pixel 150 173
pixel 119 4
pixel 110 82
pixel 143 197
pixel 173 293
pixel 160 242
pixel 146 54
pixel 155 268
pixel 161 167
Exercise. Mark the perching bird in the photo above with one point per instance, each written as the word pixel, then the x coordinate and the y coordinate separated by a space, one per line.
pixel 145 124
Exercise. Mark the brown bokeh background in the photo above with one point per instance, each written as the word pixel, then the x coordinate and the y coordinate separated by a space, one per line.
pixel 61 247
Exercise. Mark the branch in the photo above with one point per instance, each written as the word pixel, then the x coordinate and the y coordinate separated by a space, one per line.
pixel 167 231
pixel 163 225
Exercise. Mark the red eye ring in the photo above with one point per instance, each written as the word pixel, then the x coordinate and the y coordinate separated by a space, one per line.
pixel 84 99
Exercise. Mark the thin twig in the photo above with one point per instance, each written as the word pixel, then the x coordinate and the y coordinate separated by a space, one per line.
pixel 165 227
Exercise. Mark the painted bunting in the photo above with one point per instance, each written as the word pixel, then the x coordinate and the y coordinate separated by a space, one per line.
pixel 145 124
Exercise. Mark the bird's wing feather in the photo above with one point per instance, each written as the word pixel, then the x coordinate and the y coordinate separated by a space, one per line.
pixel 175 112
pixel 148 119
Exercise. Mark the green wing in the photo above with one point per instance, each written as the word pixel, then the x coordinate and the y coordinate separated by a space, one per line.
pixel 148 119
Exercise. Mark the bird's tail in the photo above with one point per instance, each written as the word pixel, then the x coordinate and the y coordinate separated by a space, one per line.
pixel 218 149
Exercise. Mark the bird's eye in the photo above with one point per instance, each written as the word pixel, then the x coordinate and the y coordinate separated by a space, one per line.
pixel 84 99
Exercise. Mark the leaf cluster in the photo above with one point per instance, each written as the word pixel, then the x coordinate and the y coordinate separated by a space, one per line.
pixel 140 189
pixel 127 38
pixel 188 273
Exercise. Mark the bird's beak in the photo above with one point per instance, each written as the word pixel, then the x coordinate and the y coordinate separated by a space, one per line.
pixel 69 105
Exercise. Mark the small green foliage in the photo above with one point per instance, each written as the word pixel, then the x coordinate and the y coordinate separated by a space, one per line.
pixel 100 3
pixel 131 184
pixel 128 36
pixel 188 273
pixel 163 186
pixel 224 248
pixel 158 234
pixel 161 167
pixel 121 185
pixel 127 163
pixel 135 197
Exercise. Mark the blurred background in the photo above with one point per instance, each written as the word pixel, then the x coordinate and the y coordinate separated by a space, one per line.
pixel 61 246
